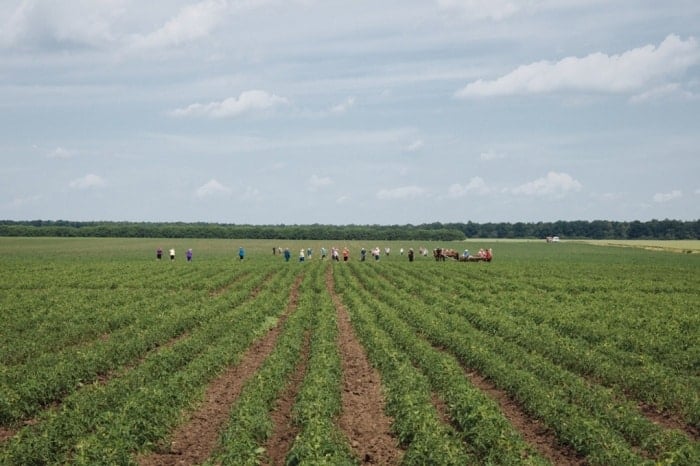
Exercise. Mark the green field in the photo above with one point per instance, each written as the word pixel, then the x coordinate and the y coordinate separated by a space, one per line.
pixel 105 351
pixel 684 246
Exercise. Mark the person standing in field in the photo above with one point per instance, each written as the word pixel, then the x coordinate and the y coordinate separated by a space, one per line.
pixel 241 253
pixel 363 254
pixel 323 253
pixel 410 255
pixel 159 253
pixel 346 254
pixel 287 254
pixel 301 255
pixel 172 254
pixel 188 254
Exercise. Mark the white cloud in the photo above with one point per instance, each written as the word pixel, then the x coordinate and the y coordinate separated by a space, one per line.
pixel 670 90
pixel 88 181
pixel 212 188
pixel 497 10
pixel 481 9
pixel 554 184
pixel 475 185
pixel 192 22
pixel 404 192
pixel 343 106
pixel 60 153
pixel 491 155
pixel 666 197
pixel 342 199
pixel 631 71
pixel 247 102
pixel 415 146
pixel 56 25
pixel 317 182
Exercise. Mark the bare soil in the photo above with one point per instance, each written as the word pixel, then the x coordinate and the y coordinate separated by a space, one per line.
pixel 363 419
pixel 194 441
pixel 285 431
pixel 533 431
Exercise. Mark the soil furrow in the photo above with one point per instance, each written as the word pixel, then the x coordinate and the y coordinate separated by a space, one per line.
pixel 533 431
pixel 363 419
pixel 285 431
pixel 194 441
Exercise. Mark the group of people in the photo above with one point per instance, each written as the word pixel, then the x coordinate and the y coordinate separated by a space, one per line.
pixel 304 254
pixel 336 253
pixel 189 254
pixel 483 254
pixel 159 254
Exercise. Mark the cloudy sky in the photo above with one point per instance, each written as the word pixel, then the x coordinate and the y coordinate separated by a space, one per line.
pixel 349 112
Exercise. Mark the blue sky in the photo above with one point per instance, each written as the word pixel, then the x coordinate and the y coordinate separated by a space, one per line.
pixel 392 112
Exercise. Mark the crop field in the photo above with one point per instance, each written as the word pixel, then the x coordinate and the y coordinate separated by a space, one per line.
pixel 566 353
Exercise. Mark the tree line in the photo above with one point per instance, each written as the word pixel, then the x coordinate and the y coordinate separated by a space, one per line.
pixel 578 229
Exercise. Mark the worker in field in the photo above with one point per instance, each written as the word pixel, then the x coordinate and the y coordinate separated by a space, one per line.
pixel 159 253
pixel 241 253
pixel 363 254
pixel 172 254
pixel 287 254
pixel 188 254
pixel 346 254
pixel 302 255
pixel 410 254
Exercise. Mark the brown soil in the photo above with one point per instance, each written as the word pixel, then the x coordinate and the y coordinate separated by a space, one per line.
pixel 363 419
pixel 193 442
pixel 532 430
pixel 6 433
pixel 669 421
pixel 285 431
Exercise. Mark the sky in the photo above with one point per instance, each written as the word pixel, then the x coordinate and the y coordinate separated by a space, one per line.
pixel 395 112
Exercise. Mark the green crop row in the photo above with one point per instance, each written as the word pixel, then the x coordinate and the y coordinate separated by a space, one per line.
pixel 58 317
pixel 250 424
pixel 25 389
pixel 318 403
pixel 645 380
pixel 482 426
pixel 104 423
pixel 587 417
pixel 538 327
pixel 417 424
pixel 640 311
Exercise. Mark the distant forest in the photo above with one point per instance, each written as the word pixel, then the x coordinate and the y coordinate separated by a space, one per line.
pixel 580 229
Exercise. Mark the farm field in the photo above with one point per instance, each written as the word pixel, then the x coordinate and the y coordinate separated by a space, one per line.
pixel 684 246
pixel 566 353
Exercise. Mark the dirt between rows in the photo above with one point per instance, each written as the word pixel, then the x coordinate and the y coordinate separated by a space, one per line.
pixel 363 420
pixel 194 441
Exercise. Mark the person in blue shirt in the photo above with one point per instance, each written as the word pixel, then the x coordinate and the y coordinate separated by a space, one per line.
pixel 241 253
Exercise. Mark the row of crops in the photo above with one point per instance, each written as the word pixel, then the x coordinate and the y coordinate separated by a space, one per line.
pixel 103 359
